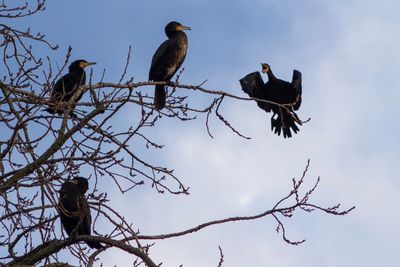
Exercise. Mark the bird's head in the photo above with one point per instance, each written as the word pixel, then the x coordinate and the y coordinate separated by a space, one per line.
pixel 81 183
pixel 265 68
pixel 80 64
pixel 174 26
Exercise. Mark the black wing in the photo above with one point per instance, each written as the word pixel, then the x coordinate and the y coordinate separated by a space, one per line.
pixel 85 227
pixel 253 85
pixel 68 206
pixel 167 60
pixel 85 216
pixel 64 88
pixel 296 83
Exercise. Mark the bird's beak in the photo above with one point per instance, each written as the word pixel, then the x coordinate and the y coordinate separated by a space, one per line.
pixel 183 28
pixel 89 64
pixel 264 69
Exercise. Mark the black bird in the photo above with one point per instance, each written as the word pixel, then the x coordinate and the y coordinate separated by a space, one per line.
pixel 277 91
pixel 74 209
pixel 66 86
pixel 168 59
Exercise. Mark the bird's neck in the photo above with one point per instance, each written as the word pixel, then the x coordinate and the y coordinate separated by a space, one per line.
pixel 76 70
pixel 271 76
pixel 178 35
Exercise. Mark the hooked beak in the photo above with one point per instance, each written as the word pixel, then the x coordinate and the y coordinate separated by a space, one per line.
pixel 264 68
pixel 183 28
pixel 90 63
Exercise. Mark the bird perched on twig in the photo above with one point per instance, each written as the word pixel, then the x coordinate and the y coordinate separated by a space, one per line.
pixel 168 59
pixel 74 209
pixel 65 87
pixel 287 97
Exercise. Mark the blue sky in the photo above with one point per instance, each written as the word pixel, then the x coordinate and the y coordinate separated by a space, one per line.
pixel 348 54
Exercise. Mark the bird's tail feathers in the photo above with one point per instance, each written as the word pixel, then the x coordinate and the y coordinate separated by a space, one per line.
pixel 93 244
pixel 160 97
pixel 285 122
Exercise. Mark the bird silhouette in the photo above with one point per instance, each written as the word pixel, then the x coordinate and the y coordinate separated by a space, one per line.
pixel 74 209
pixel 67 85
pixel 284 119
pixel 168 59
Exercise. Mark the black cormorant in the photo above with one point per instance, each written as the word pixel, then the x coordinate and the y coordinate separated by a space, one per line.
pixel 66 86
pixel 168 59
pixel 74 209
pixel 277 91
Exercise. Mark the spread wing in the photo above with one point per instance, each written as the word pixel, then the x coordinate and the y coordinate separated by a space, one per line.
pixel 296 83
pixel 252 84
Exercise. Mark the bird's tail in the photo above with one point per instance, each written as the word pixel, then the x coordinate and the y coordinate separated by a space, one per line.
pixel 94 244
pixel 160 97
pixel 285 122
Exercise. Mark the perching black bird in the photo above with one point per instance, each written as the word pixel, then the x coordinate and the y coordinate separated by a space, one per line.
pixel 74 209
pixel 66 86
pixel 168 59
pixel 278 91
